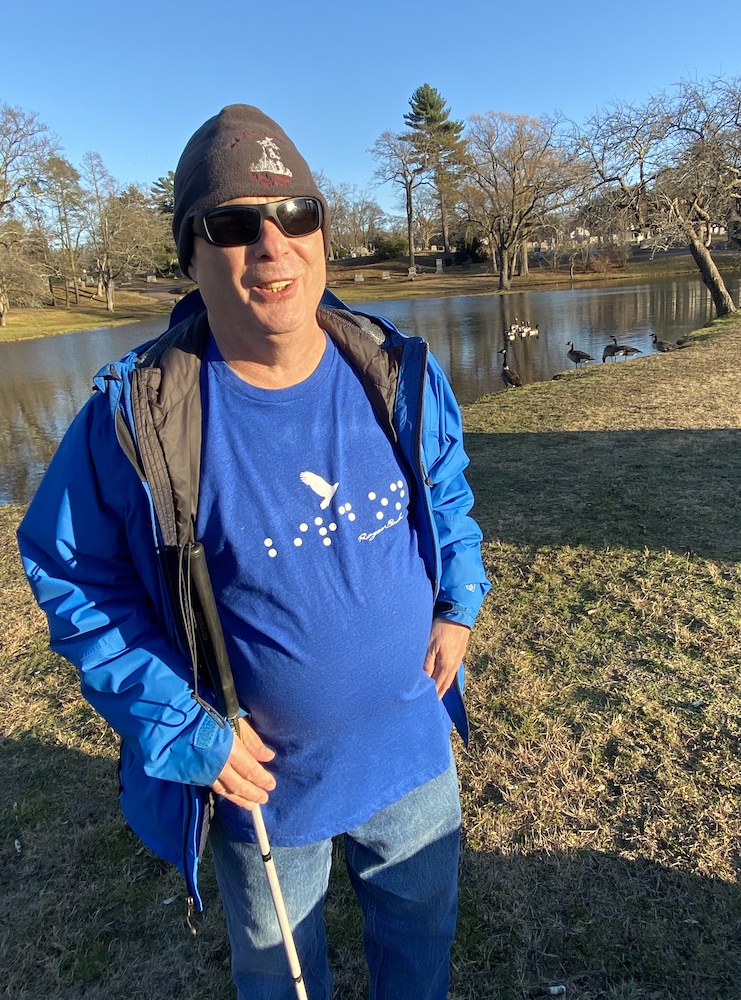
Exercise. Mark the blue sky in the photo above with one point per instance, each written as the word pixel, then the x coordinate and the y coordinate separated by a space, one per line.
pixel 133 81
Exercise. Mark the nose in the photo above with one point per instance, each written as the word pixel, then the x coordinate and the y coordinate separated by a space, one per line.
pixel 271 242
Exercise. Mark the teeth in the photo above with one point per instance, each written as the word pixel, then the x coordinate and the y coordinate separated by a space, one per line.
pixel 275 286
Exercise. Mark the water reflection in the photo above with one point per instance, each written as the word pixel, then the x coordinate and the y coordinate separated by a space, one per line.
pixel 467 333
pixel 43 383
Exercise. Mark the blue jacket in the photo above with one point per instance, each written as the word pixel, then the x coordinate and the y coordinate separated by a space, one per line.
pixel 103 542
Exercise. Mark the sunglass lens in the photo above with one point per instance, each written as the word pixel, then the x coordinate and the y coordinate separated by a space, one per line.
pixel 234 228
pixel 299 216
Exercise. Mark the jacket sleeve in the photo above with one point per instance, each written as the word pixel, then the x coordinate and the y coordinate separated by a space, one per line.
pixel 462 584
pixel 87 545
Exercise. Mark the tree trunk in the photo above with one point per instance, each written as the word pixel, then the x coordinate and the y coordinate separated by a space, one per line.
pixel 410 224
pixel 3 307
pixel 524 265
pixel 74 278
pixel 110 288
pixel 504 271
pixel 711 275
pixel 71 260
pixel 444 223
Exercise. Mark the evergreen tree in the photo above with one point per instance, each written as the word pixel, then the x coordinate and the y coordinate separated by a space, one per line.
pixel 437 139
pixel 162 193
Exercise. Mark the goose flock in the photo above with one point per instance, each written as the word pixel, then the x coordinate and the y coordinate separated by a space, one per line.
pixel 521 329
pixel 612 351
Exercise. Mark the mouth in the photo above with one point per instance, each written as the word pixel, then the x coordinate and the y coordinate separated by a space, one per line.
pixel 274 286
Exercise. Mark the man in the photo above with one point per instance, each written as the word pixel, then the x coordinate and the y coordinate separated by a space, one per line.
pixel 317 456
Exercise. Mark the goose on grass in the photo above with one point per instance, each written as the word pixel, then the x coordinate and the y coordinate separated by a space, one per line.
pixel 510 378
pixel 578 357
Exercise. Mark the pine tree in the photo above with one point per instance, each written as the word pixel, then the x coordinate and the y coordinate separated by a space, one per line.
pixel 437 139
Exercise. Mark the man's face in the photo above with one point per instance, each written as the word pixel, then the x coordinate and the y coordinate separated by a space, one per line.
pixel 267 288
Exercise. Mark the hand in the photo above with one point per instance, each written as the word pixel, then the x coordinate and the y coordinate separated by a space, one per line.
pixel 445 651
pixel 243 780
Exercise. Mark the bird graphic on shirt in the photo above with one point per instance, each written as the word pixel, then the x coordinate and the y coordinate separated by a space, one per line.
pixel 321 487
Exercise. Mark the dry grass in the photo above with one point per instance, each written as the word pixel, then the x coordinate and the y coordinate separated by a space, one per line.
pixel 26 324
pixel 601 787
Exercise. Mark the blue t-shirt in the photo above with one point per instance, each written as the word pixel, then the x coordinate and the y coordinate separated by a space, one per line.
pixel 326 605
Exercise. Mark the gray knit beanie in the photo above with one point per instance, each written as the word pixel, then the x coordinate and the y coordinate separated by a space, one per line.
pixel 238 153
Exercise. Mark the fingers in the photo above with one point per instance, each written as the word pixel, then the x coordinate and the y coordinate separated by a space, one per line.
pixel 249 739
pixel 241 792
pixel 243 780
pixel 443 676
pixel 445 651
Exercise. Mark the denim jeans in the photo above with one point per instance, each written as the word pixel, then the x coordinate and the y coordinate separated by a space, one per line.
pixel 403 866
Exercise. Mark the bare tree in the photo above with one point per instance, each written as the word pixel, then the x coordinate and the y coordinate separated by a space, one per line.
pixel 63 211
pixel 25 142
pixel 520 171
pixel 427 215
pixel 399 163
pixel 22 270
pixel 355 217
pixel 123 232
pixel 674 164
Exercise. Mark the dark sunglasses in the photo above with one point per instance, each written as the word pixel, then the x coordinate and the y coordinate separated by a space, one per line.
pixel 240 225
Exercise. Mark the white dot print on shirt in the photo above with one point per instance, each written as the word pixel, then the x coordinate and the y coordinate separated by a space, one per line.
pixel 346 508
pixel 398 488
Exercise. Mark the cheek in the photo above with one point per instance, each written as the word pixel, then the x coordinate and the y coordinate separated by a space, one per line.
pixel 217 267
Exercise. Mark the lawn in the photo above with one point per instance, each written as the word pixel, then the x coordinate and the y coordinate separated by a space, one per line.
pixel 601 785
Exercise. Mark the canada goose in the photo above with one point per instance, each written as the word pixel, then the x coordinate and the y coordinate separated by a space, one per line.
pixel 665 345
pixel 609 352
pixel 509 333
pixel 511 379
pixel 615 350
pixel 578 357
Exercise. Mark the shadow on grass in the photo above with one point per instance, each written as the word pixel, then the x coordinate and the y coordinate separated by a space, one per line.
pixel 603 926
pixel 661 489
pixel 94 906
pixel 85 909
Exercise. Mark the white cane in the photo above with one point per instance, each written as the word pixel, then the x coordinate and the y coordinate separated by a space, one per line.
pixel 215 636
pixel 280 909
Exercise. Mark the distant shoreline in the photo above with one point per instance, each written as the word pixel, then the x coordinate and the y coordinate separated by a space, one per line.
pixel 142 301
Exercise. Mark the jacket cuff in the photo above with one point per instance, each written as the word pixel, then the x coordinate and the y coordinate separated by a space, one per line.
pixel 198 756
pixel 452 612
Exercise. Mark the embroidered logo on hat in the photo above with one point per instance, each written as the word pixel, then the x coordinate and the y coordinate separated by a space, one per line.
pixel 270 161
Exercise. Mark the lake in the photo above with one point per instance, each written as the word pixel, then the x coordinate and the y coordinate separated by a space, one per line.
pixel 44 382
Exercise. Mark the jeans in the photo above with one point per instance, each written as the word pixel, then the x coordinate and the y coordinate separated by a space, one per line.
pixel 403 866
